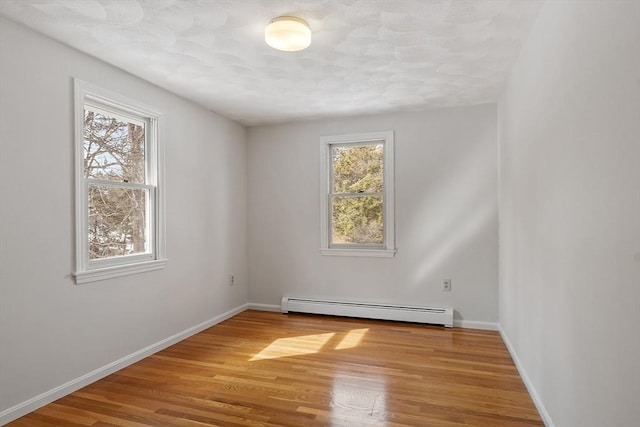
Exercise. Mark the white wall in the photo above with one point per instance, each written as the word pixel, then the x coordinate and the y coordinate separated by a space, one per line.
pixel 51 330
pixel 569 126
pixel 446 213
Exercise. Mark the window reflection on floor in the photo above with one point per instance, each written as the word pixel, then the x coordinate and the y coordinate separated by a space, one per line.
pixel 360 401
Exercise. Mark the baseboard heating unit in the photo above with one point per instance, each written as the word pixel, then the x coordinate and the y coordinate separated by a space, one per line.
pixel 403 313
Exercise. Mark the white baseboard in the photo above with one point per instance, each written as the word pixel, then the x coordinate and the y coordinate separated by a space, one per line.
pixel 470 324
pixel 264 307
pixel 47 397
pixel 474 324
pixel 546 418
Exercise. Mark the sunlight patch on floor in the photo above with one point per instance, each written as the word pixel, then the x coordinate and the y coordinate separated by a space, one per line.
pixel 293 346
pixel 309 344
pixel 352 339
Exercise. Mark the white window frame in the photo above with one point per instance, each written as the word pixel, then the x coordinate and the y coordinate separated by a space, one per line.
pixel 387 249
pixel 154 258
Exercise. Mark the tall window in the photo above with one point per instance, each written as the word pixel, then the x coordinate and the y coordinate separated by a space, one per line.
pixel 357 195
pixel 119 217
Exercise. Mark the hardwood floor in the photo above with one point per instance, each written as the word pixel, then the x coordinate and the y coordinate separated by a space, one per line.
pixel 270 369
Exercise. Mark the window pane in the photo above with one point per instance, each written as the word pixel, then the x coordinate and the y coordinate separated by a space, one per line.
pixel 113 147
pixel 117 221
pixel 357 169
pixel 357 220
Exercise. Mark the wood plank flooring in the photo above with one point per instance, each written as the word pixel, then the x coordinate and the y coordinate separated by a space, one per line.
pixel 270 369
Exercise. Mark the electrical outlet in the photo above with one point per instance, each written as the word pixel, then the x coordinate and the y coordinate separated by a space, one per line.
pixel 232 280
pixel 446 285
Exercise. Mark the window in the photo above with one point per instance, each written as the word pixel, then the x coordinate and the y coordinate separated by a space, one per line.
pixel 119 199
pixel 356 202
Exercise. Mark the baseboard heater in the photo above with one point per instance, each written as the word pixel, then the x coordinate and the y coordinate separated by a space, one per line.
pixel 403 313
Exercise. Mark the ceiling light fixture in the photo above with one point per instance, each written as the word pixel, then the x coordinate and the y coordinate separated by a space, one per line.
pixel 288 33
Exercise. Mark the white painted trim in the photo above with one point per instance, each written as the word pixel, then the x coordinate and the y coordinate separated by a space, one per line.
pixel 546 418
pixel 264 307
pixel 474 324
pixel 373 253
pixel 47 397
pixel 81 219
pixel 91 270
pixel 117 271
pixel 387 250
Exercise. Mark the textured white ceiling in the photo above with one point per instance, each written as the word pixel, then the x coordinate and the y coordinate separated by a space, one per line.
pixel 366 56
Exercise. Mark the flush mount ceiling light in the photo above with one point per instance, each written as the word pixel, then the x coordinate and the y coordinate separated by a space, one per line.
pixel 288 33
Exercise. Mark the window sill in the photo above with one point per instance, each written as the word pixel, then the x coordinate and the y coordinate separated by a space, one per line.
pixel 118 271
pixel 372 253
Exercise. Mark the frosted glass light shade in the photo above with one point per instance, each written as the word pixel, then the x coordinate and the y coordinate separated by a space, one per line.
pixel 288 33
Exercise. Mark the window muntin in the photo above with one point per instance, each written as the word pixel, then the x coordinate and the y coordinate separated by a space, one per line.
pixel 119 203
pixel 357 198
